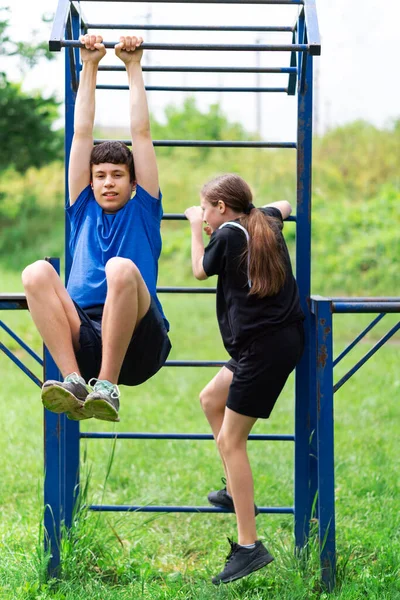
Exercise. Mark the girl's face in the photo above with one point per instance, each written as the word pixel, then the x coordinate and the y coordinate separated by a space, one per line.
pixel 214 216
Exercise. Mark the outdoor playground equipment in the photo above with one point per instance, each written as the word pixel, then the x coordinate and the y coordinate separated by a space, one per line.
pixel 314 433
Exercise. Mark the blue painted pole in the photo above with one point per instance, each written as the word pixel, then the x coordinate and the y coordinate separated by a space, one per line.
pixel 70 450
pixel 53 431
pixel 303 273
pixel 325 441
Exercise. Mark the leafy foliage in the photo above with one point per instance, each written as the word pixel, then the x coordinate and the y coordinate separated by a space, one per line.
pixel 26 120
pixel 26 128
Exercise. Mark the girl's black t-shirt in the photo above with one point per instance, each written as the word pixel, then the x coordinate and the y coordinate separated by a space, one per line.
pixel 243 317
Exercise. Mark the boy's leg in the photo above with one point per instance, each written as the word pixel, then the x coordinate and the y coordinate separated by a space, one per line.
pixel 127 302
pixel 53 313
pixel 58 323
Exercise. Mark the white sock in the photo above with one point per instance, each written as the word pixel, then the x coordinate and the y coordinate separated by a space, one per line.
pixel 250 546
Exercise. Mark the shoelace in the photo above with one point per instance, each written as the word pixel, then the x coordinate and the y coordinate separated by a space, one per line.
pixel 106 386
pixel 234 548
pixel 73 378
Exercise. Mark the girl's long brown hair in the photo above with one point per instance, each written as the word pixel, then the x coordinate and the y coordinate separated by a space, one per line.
pixel 267 264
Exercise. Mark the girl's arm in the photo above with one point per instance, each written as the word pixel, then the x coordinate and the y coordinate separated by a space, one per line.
pixel 283 206
pixel 195 217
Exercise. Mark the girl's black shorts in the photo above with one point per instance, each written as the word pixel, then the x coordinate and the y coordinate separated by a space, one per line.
pixel 262 369
pixel 147 350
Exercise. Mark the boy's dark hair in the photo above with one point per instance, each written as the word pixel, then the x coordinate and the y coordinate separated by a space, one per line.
pixel 116 153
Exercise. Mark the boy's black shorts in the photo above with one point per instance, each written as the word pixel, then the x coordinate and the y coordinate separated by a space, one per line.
pixel 147 350
pixel 262 369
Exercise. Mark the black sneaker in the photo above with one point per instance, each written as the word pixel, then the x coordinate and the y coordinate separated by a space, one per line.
pixel 222 499
pixel 66 396
pixel 243 561
pixel 103 402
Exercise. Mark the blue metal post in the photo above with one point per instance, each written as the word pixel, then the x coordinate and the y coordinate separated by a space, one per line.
pixel 303 426
pixel 70 454
pixel 325 441
pixel 53 488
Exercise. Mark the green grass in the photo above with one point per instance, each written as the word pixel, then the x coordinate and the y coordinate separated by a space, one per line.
pixel 171 556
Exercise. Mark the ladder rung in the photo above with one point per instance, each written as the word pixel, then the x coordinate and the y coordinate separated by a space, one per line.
pixel 147 27
pixel 179 436
pixel 211 144
pixel 183 509
pixel 291 2
pixel 154 88
pixel 198 47
pixel 194 69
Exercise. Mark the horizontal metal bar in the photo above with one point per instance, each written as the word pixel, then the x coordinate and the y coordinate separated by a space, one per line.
pixel 183 509
pixel 177 88
pixel 186 290
pixel 195 363
pixel 178 436
pixel 21 343
pixel 292 2
pixel 211 144
pixel 205 47
pixel 365 307
pixel 367 299
pixel 21 365
pixel 181 217
pixel 368 355
pixel 13 302
pixel 194 69
pixel 150 27
pixel 358 338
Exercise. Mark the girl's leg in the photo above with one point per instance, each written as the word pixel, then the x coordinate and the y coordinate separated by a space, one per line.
pixel 53 313
pixel 213 402
pixel 232 443
pixel 128 300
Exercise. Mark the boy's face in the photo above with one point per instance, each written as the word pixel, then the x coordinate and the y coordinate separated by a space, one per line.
pixel 111 186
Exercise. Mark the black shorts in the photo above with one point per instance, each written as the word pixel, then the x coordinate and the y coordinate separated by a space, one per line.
pixel 262 369
pixel 147 350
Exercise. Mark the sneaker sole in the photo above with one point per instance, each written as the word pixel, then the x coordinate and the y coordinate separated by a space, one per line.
pixel 256 565
pixel 58 400
pixel 231 509
pixel 101 409
pixel 218 505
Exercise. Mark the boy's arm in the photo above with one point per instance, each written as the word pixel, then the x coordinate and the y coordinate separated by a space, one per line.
pixel 144 156
pixel 82 144
pixel 283 206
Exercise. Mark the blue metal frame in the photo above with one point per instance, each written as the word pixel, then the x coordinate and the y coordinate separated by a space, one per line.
pixel 313 438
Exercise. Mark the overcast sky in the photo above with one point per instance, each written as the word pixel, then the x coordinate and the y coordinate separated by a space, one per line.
pixel 356 76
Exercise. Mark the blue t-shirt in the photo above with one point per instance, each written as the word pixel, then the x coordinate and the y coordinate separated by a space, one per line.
pixel 132 232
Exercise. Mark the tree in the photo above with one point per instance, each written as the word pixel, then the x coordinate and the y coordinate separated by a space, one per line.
pixel 27 137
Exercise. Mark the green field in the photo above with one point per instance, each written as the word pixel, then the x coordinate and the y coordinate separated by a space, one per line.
pixel 174 556
pixel 356 245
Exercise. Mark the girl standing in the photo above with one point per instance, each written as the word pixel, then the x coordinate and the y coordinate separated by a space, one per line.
pixel 260 321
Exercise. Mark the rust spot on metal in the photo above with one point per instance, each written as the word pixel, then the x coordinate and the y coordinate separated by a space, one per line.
pixel 322 356
pixel 327 330
pixel 322 322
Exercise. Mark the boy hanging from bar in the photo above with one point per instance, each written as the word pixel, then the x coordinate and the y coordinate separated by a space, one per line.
pixel 107 327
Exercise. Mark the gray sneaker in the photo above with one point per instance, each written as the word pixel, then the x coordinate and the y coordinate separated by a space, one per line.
pixel 66 396
pixel 243 561
pixel 103 402
pixel 222 499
